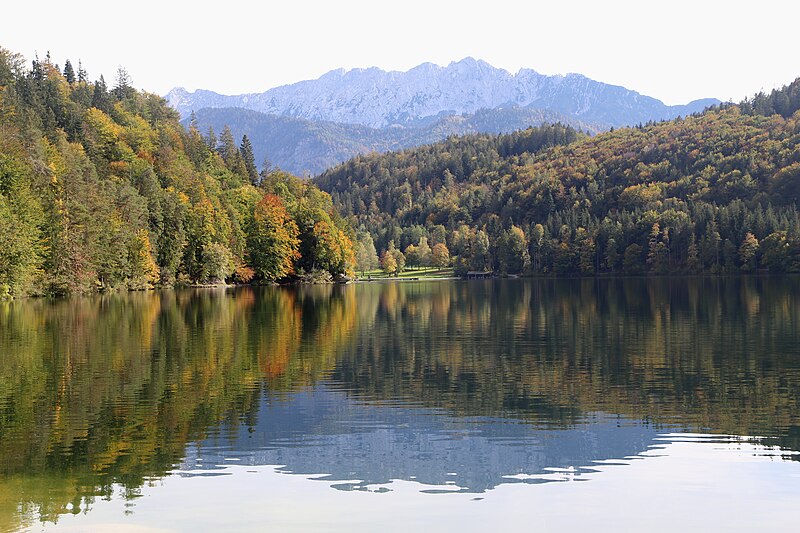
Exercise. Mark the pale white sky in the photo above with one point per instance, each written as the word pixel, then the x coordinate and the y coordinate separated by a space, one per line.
pixel 673 50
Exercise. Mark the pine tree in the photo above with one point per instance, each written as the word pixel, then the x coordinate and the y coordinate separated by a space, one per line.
pixel 83 76
pixel 122 87
pixel 69 73
pixel 246 151
pixel 211 139
pixel 100 95
pixel 226 147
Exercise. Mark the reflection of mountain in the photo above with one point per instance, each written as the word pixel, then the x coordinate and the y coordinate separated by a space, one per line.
pixel 325 431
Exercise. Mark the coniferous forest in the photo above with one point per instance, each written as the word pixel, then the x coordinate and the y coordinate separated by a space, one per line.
pixel 716 192
pixel 101 188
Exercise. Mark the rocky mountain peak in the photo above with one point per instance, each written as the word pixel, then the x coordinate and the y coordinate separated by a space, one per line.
pixel 377 98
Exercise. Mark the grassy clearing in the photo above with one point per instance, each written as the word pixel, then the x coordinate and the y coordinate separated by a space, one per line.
pixel 420 273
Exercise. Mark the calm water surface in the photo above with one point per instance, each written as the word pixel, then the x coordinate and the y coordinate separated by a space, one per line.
pixel 616 405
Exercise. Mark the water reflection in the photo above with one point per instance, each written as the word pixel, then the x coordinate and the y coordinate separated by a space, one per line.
pixel 354 445
pixel 371 383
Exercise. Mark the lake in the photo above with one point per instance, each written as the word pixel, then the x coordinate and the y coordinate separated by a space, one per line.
pixel 550 405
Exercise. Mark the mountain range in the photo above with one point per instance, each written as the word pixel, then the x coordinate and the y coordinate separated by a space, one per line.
pixel 347 112
pixel 304 147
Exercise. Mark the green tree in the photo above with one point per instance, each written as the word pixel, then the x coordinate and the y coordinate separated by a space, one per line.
pixel 246 151
pixel 412 256
pixel 69 72
pixel 537 243
pixel 100 98
pixel 144 271
pixel 333 250
pixel 218 262
pixel 366 255
pixel 612 255
pixel 693 256
pixel 399 258
pixel 711 246
pixel 229 152
pixel 20 242
pixel 424 252
pixel 587 251
pixel 122 86
pixel 480 259
pixel 632 259
pixel 776 250
pixel 172 240
pixel 658 250
pixel 512 250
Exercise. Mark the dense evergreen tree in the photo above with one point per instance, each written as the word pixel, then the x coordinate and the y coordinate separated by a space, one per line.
pixel 122 87
pixel 249 160
pixel 100 95
pixel 69 72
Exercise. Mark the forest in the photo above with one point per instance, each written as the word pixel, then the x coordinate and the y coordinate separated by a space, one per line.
pixel 101 188
pixel 714 192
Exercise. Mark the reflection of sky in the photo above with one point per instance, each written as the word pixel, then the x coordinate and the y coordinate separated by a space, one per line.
pixel 324 431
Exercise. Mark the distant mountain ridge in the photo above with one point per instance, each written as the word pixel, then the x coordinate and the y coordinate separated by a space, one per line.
pixel 305 147
pixel 377 98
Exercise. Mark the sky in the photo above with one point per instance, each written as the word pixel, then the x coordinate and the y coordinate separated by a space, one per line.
pixel 676 51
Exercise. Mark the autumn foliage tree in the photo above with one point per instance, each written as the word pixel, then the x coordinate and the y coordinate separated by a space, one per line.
pixel 105 190
pixel 273 239
pixel 440 255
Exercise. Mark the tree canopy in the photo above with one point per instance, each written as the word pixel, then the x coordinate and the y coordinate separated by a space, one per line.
pixel 104 189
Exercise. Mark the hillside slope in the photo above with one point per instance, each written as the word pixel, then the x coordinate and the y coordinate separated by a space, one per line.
pixel 714 192
pixel 305 147
pixel 104 189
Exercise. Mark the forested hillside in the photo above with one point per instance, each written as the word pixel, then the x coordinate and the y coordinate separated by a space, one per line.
pixel 102 188
pixel 714 192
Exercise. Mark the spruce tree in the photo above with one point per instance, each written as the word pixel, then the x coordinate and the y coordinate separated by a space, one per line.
pixel 246 151
pixel 123 88
pixel 69 73
pixel 211 139
pixel 100 95
pixel 83 76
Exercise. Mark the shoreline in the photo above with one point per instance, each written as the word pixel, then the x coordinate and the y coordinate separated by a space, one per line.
pixel 218 286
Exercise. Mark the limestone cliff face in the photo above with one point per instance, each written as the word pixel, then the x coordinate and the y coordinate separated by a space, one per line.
pixel 376 98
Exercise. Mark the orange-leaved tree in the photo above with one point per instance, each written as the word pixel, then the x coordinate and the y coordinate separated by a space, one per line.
pixel 272 240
